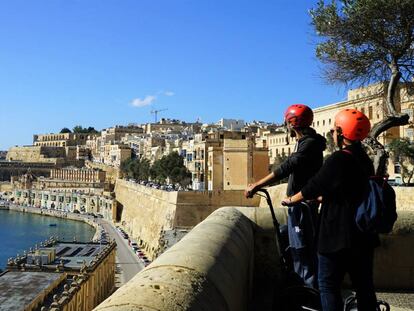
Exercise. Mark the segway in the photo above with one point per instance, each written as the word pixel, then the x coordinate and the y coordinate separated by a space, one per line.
pixel 294 296
pixel 350 304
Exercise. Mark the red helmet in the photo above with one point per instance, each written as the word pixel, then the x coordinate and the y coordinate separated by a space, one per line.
pixel 299 115
pixel 353 123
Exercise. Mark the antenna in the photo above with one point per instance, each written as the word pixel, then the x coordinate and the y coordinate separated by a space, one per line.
pixel 155 113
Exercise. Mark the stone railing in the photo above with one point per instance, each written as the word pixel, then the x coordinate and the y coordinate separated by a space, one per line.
pixel 230 262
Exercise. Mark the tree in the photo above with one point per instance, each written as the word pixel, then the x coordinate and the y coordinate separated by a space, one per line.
pixel 172 167
pixel 136 168
pixel 78 129
pixel 403 152
pixel 365 41
pixel 65 130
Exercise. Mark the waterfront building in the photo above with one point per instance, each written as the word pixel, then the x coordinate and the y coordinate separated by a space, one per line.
pixel 59 276
pixel 68 201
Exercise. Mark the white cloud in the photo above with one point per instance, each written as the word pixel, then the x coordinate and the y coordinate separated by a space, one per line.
pixel 148 100
pixel 169 93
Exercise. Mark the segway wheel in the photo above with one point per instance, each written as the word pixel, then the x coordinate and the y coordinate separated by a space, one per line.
pixel 297 298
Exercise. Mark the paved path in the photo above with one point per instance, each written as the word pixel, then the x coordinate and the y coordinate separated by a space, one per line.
pixel 128 263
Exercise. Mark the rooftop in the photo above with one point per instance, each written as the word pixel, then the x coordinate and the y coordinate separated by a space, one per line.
pixel 18 289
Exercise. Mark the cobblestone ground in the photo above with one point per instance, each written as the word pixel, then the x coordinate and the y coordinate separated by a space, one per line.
pixel 400 300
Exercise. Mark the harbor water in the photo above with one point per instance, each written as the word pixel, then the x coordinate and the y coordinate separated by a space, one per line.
pixel 21 231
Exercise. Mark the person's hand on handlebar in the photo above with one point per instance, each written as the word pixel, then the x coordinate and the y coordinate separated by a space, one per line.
pixel 287 202
pixel 294 199
pixel 250 190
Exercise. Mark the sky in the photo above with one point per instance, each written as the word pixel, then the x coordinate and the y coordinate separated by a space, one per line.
pixel 105 62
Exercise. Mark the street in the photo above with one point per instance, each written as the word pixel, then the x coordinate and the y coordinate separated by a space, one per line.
pixel 128 264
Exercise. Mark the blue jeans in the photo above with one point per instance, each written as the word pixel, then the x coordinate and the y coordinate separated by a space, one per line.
pixel 301 229
pixel 358 262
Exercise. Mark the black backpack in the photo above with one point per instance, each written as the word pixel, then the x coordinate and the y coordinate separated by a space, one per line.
pixel 377 212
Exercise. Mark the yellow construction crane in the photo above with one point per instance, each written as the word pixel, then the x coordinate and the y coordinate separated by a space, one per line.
pixel 155 113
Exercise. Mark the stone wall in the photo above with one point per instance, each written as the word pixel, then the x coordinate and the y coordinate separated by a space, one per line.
pixel 405 197
pixel 36 154
pixel 146 213
pixel 112 173
pixel 5 186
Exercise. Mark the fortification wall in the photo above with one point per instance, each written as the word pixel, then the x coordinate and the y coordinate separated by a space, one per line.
pixel 36 154
pixel 146 213
pixel 195 206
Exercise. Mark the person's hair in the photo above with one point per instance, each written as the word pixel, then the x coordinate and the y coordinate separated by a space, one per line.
pixel 305 130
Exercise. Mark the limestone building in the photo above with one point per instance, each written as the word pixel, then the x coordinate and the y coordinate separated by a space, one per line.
pixel 116 133
pixel 370 100
pixel 76 174
pixel 59 276
pixel 60 140
pixel 231 124
pixel 114 154
pixel 67 201
pixel 224 160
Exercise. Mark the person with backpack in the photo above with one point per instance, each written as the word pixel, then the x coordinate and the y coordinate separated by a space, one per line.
pixel 300 166
pixel 343 182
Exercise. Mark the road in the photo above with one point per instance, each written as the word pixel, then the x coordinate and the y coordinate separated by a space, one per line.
pixel 128 263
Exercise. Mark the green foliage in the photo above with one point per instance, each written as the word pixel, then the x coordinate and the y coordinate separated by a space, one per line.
pixel 78 129
pixel 65 130
pixel 172 167
pixel 168 167
pixel 403 152
pixel 365 40
pixel 136 168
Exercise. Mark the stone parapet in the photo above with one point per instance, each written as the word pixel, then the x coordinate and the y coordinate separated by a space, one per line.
pixel 209 269
pixel 230 261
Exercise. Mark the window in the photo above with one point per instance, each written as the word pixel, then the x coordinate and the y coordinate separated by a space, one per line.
pixel 370 112
pixel 329 121
pixel 317 123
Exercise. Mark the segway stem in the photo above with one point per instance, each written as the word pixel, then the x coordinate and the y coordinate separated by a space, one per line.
pixel 276 225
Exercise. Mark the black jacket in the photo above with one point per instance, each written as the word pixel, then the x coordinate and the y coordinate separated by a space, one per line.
pixel 342 181
pixel 303 163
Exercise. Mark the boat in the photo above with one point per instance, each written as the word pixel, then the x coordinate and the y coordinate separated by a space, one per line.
pixel 52 225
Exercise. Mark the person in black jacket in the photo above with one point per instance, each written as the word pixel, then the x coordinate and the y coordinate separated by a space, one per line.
pixel 342 182
pixel 300 166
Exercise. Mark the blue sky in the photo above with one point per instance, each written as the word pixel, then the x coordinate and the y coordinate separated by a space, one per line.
pixel 69 62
